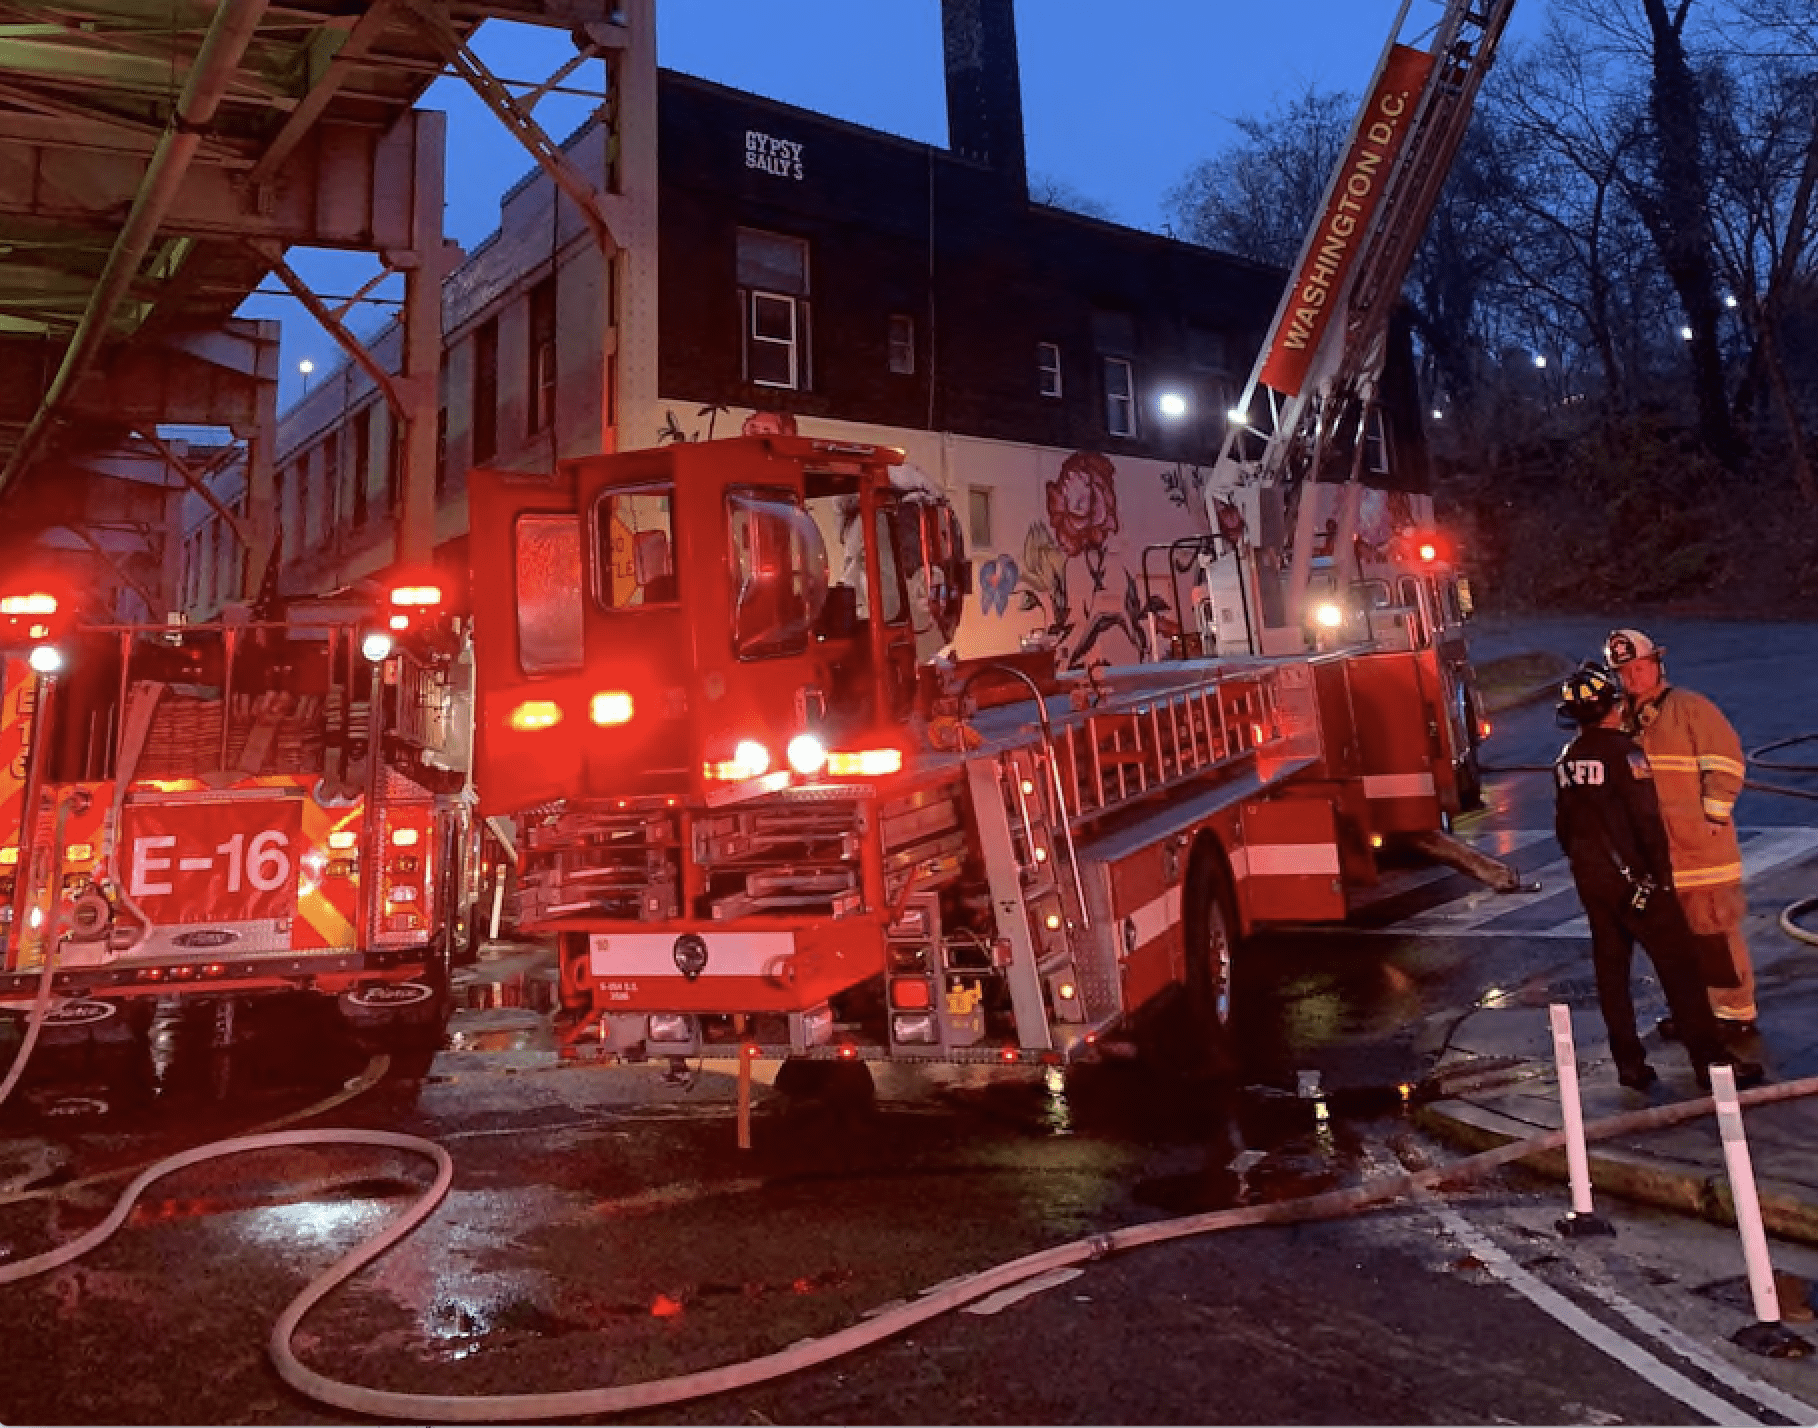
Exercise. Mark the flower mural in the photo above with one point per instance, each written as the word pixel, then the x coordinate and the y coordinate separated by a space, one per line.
pixel 1082 509
pixel 1079 615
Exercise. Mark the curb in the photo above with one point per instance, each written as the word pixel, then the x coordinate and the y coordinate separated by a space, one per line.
pixel 1786 1211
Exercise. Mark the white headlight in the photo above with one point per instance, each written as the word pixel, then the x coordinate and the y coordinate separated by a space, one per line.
pixel 1329 616
pixel 376 645
pixel 46 659
pixel 807 754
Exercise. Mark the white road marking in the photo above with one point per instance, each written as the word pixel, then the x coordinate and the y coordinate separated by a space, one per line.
pixel 1678 1341
pixel 1478 913
pixel 1004 1298
pixel 1598 1335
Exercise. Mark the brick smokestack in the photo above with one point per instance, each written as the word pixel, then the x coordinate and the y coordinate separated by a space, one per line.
pixel 984 89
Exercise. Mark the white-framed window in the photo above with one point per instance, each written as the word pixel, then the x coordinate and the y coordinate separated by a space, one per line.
pixel 1048 368
pixel 902 344
pixel 1376 442
pixel 773 294
pixel 978 517
pixel 1120 397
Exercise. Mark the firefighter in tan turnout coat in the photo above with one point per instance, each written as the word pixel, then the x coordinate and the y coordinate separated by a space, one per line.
pixel 1698 771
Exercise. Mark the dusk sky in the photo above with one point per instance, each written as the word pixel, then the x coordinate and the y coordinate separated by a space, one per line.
pixel 1119 99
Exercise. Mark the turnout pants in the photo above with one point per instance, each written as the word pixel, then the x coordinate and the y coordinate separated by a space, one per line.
pixel 1663 934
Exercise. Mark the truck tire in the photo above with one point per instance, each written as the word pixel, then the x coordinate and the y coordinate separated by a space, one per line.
pixel 846 1085
pixel 1210 927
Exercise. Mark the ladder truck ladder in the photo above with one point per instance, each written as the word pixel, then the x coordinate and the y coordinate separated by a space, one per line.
pixel 1319 418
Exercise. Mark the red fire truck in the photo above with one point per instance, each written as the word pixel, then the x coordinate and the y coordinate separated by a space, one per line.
pixel 219 810
pixel 758 821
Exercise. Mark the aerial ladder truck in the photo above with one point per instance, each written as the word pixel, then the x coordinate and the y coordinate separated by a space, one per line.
pixel 756 823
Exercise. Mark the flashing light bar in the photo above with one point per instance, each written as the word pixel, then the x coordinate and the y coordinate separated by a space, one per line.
pixel 865 763
pixel 406 837
pixel 535 714
pixel 37 603
pixel 749 760
pixel 611 706
pixel 343 838
pixel 419 595
pixel 9 857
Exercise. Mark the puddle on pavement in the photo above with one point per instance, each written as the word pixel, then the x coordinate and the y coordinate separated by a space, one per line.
pixel 526 990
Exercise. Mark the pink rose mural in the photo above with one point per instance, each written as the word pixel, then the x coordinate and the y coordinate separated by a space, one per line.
pixel 1082 519
pixel 1082 509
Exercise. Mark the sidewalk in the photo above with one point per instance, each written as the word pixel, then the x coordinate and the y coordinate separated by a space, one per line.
pixel 1494 1081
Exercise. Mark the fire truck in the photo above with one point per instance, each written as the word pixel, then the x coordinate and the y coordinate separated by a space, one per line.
pixel 758 819
pixel 275 802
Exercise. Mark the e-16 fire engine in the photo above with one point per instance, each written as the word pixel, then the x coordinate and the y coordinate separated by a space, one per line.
pixel 757 823
pixel 221 810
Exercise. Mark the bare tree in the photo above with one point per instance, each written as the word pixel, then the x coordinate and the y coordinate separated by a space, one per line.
pixel 1259 195
pixel 1052 192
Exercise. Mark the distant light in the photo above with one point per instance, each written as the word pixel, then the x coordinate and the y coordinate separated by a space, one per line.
pixel 1686 333
pixel 1540 359
pixel 1729 300
pixel 1173 404
pixel 1438 415
pixel 306 366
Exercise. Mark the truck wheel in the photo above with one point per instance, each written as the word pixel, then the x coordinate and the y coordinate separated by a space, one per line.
pixel 1210 928
pixel 827 1083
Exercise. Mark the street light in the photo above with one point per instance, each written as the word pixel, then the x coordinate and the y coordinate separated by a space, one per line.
pixel 1540 359
pixel 306 366
pixel 1173 405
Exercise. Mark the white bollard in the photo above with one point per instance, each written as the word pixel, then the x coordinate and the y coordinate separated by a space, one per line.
pixel 1582 1219
pixel 1767 1336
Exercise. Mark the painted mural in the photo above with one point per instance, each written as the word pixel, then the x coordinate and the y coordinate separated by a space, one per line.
pixel 1075 574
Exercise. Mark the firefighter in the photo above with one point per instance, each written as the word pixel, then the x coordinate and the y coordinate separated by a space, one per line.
pixel 1607 819
pixel 1698 767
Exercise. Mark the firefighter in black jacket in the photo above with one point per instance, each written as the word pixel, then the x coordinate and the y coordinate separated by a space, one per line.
pixel 1607 818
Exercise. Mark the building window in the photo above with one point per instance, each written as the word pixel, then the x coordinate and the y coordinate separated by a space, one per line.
pixel 1048 368
pixel 397 453
pixel 362 463
pixel 486 390
pixel 1120 397
pixel 773 297
pixel 1206 350
pixel 902 345
pixel 279 482
pixel 1376 442
pixel 542 356
pixel 331 477
pixel 978 513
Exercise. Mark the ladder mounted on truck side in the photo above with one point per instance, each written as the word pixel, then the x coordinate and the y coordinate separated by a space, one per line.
pixel 1309 406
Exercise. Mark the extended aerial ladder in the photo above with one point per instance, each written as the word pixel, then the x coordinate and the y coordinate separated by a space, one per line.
pixel 1307 416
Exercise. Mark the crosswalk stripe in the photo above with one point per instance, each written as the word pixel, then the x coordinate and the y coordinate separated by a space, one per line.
pixel 1480 912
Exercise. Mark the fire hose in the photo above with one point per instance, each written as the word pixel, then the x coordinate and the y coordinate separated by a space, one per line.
pixel 521 1407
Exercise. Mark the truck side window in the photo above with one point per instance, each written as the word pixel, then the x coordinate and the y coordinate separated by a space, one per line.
pixel 549 583
pixel 779 569
pixel 890 599
pixel 637 549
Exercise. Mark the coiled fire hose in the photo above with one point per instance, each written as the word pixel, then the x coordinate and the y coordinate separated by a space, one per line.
pixel 522 1407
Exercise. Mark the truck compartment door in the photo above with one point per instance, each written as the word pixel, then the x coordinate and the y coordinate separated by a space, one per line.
pixel 529 594
pixel 1288 867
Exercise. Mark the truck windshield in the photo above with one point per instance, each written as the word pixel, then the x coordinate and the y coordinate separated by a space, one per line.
pixel 779 568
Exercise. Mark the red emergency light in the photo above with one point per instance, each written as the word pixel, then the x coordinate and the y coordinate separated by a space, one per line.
pixel 36 603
